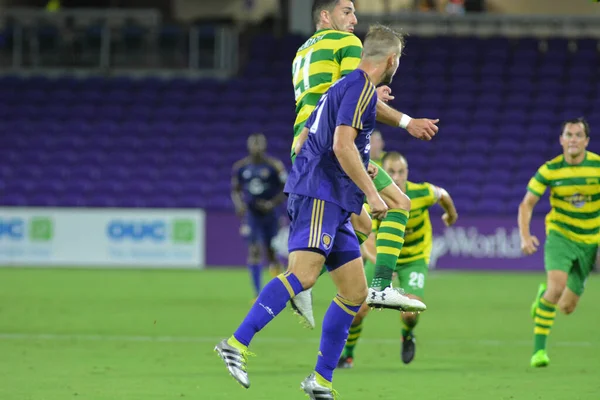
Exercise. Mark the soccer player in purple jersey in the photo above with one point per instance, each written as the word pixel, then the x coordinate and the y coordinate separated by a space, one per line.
pixel 328 183
pixel 257 190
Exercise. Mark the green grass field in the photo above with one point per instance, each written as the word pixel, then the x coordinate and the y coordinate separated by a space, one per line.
pixel 144 335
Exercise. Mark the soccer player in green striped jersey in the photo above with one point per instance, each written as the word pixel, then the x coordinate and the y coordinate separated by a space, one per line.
pixel 331 53
pixel 572 229
pixel 413 262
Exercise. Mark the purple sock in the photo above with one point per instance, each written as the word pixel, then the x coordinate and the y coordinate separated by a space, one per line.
pixel 256 273
pixel 336 325
pixel 270 302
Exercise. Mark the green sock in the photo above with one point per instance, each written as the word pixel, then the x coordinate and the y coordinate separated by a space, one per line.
pixel 544 319
pixel 353 337
pixel 408 326
pixel 389 241
pixel 361 239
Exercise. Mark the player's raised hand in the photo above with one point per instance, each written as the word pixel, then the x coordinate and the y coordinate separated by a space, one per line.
pixel 372 170
pixel 384 93
pixel 529 245
pixel 423 128
pixel 378 207
pixel 449 219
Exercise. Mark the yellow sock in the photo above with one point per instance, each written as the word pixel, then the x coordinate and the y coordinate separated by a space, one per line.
pixel 322 381
pixel 233 342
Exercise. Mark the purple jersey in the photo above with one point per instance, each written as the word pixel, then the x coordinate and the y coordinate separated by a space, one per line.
pixel 262 181
pixel 316 172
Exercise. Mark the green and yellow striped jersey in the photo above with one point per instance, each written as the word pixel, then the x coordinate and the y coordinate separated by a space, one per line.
pixel 418 234
pixel 323 59
pixel 379 161
pixel 574 197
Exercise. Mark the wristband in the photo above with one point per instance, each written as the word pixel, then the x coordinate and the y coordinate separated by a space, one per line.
pixel 404 121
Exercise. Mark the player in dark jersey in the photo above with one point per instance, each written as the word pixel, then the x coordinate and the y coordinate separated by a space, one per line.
pixel 327 184
pixel 257 190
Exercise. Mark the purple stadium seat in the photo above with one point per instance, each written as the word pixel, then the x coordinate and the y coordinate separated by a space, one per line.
pixel 158 142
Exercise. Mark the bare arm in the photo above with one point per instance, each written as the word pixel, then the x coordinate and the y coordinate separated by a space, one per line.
pixel 422 128
pixel 301 139
pixel 280 168
pixel 236 194
pixel 528 243
pixel 450 216
pixel 349 158
pixel 387 115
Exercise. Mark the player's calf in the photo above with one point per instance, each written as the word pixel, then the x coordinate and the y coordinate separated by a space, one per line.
pixel 388 243
pixel 409 343
pixel 347 358
pixel 568 302
pixel 255 267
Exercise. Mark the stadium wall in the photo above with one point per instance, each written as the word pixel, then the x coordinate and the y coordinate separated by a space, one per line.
pixel 177 238
pixel 474 243
pixel 103 237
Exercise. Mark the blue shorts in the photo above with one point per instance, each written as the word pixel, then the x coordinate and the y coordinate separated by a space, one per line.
pixel 322 227
pixel 263 228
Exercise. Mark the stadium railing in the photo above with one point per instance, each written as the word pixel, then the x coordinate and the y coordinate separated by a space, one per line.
pixel 113 39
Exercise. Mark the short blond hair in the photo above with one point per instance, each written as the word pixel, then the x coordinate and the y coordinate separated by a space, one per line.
pixel 393 156
pixel 381 41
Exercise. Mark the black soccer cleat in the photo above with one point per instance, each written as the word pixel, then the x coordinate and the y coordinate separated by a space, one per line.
pixel 345 362
pixel 409 345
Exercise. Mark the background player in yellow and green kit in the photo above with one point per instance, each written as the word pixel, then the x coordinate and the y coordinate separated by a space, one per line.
pixel 413 263
pixel 572 229
pixel 331 53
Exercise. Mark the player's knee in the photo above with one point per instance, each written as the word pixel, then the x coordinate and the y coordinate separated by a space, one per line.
pixel 308 280
pixel 363 225
pixel 554 292
pixel 253 254
pixel 399 200
pixel 359 295
pixel 567 308
pixel 307 276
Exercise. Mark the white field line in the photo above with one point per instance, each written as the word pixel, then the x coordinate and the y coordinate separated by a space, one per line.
pixel 209 339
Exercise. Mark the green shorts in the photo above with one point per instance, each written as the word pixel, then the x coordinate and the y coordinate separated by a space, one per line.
pixel 383 179
pixel 411 276
pixel 576 259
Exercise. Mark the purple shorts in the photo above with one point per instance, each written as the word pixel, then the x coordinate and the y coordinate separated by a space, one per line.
pixel 263 228
pixel 322 227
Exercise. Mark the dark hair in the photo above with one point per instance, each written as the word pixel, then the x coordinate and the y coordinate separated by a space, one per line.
pixel 320 5
pixel 393 155
pixel 580 120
